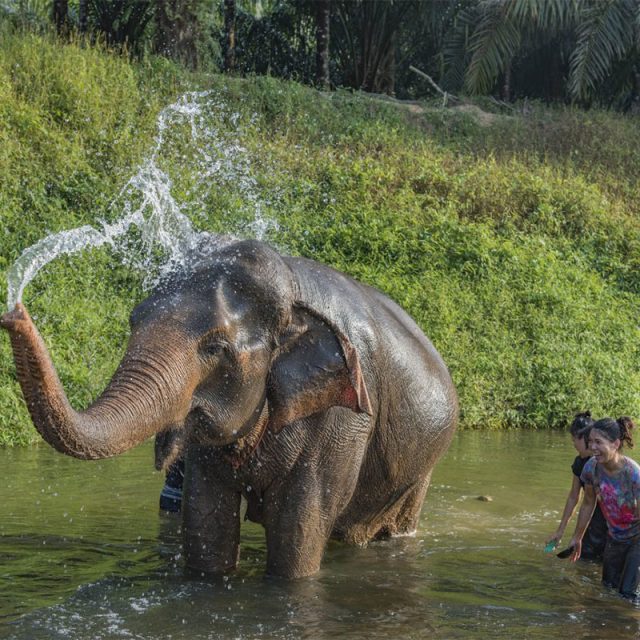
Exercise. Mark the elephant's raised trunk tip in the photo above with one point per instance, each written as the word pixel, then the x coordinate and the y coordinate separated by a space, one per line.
pixel 103 430
pixel 12 320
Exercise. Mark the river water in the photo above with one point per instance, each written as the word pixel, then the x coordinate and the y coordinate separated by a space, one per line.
pixel 84 554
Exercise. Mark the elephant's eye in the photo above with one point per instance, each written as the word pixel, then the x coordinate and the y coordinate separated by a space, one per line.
pixel 213 347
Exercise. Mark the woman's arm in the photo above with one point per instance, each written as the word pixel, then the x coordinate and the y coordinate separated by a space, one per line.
pixel 584 517
pixel 569 506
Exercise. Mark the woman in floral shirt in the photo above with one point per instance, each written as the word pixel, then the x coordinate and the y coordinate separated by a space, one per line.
pixel 614 481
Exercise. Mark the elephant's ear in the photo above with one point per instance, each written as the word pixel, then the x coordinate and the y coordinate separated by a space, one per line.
pixel 317 367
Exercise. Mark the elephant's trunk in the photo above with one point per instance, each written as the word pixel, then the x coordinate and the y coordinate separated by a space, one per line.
pixel 143 397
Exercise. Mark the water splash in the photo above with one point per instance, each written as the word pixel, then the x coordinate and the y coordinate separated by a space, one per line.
pixel 166 239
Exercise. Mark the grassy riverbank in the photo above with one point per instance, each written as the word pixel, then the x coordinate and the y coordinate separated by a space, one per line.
pixel 513 238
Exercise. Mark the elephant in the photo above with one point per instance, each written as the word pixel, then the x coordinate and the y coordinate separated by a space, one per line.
pixel 277 378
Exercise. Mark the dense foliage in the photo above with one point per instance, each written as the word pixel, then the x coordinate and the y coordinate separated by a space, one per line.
pixel 514 240
pixel 581 51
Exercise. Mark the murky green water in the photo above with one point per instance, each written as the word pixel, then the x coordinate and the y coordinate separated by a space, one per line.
pixel 84 554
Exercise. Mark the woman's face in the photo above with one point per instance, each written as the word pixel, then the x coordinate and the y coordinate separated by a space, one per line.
pixel 580 446
pixel 601 447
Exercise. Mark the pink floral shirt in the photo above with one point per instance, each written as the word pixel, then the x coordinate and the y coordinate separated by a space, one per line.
pixel 618 496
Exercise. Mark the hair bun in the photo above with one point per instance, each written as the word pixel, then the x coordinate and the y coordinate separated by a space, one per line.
pixel 625 422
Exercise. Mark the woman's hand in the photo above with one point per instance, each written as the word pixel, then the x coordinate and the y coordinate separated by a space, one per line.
pixel 576 543
pixel 555 538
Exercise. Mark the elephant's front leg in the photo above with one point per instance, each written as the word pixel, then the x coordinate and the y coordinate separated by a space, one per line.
pixel 298 522
pixel 211 517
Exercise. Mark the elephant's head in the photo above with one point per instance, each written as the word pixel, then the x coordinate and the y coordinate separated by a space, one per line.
pixel 212 355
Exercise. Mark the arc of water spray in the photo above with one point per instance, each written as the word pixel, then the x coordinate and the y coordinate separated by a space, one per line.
pixel 173 232
pixel 165 226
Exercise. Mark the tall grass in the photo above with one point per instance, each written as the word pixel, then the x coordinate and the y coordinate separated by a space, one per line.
pixel 513 241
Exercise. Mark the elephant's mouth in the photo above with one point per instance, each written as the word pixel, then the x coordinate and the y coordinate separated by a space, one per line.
pixel 202 428
pixel 240 451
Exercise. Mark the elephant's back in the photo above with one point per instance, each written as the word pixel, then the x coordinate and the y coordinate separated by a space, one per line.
pixel 348 302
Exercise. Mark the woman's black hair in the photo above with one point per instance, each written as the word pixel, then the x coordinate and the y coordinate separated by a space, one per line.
pixel 581 425
pixel 619 429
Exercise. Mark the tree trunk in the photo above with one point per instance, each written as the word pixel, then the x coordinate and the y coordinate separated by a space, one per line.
pixel 505 93
pixel 82 16
pixel 162 34
pixel 323 14
pixel 229 35
pixel 177 31
pixel 61 16
pixel 635 97
pixel 386 76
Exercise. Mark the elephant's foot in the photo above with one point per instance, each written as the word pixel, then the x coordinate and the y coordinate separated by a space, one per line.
pixel 202 559
pixel 208 570
pixel 294 552
pixel 293 568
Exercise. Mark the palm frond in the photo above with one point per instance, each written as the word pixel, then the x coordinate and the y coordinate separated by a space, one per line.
pixel 455 46
pixel 494 42
pixel 605 35
pixel 551 15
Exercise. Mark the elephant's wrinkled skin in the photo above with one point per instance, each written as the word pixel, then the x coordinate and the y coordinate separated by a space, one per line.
pixel 314 396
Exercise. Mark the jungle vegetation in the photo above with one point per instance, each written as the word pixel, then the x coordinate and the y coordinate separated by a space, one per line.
pixel 509 230
pixel 581 51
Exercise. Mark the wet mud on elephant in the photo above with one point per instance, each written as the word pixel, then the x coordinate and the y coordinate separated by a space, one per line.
pixel 278 379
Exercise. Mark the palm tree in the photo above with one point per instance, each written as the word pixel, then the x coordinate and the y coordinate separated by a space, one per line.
pixel 123 24
pixel 177 30
pixel 486 36
pixel 229 35
pixel 589 39
pixel 367 44
pixel 608 33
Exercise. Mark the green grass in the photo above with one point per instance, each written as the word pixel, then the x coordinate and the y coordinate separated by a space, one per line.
pixel 512 239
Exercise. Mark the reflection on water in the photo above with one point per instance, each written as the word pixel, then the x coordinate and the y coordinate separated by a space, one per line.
pixel 85 554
